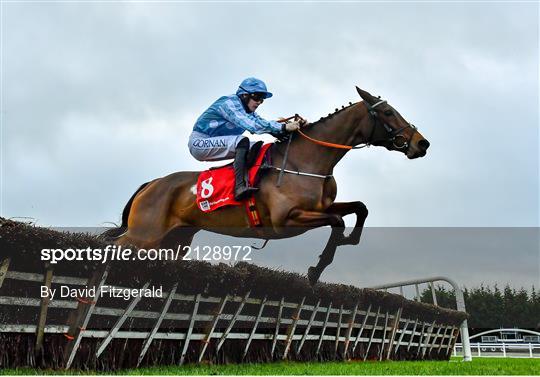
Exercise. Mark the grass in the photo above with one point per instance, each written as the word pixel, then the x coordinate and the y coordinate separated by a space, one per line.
pixel 479 366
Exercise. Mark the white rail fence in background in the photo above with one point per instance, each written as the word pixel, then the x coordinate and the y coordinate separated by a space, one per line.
pixel 518 350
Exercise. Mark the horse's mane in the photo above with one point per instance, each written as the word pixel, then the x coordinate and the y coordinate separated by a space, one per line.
pixel 322 119
pixel 330 115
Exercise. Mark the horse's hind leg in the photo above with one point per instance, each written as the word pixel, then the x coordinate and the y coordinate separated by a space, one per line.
pixel 343 209
pixel 179 238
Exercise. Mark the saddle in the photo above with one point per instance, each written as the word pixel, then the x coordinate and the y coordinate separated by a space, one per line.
pixel 215 186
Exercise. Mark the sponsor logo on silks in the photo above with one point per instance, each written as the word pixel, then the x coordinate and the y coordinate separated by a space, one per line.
pixel 219 201
pixel 205 205
pixel 204 143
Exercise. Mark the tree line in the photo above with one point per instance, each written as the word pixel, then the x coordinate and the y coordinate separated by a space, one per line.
pixel 492 308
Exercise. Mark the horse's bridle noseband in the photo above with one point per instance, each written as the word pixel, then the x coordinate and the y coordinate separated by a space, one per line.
pixel 393 135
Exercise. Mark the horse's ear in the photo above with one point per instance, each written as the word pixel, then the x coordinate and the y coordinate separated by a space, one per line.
pixel 366 96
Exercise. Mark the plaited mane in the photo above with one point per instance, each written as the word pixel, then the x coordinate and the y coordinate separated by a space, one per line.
pixel 331 114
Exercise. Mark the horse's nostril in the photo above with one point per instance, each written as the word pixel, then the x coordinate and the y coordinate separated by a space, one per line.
pixel 423 144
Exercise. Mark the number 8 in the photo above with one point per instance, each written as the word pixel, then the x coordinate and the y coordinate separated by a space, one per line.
pixel 207 188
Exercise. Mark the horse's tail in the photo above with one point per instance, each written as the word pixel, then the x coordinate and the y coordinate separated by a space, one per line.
pixel 114 233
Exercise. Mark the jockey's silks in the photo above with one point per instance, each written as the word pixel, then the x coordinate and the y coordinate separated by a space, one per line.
pixel 227 116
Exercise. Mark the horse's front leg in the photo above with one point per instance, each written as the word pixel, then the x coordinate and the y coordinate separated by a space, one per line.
pixel 343 209
pixel 314 220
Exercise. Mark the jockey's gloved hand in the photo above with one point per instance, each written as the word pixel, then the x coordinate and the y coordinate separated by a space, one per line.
pixel 291 126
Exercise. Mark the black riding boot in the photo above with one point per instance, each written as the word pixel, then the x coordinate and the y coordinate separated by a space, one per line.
pixel 241 185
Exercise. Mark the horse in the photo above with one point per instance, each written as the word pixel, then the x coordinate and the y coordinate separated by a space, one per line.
pixel 165 209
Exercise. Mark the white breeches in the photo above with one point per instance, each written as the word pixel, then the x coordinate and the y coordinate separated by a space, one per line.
pixel 206 148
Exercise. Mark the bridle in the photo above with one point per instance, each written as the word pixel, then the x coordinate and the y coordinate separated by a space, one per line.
pixel 392 135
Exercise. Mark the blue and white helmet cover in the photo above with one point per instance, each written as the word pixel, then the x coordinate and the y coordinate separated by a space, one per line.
pixel 253 85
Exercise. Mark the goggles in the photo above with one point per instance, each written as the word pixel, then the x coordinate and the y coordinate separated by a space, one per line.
pixel 257 97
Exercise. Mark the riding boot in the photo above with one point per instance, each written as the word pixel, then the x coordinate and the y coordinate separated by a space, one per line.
pixel 253 153
pixel 241 184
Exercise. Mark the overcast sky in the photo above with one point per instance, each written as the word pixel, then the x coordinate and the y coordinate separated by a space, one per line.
pixel 98 98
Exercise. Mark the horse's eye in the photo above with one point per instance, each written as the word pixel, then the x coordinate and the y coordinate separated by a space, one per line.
pixel 388 113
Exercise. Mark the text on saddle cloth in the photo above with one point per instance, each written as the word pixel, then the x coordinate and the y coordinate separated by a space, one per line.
pixel 215 186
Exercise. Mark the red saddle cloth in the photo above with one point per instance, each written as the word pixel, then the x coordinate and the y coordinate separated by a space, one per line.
pixel 215 187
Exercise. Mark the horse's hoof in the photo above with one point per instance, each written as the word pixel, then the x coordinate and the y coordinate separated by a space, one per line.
pixel 313 276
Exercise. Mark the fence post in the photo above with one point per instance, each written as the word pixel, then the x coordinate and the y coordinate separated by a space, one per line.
pixel 433 293
pixel 101 346
pixel 151 334
pixel 4 266
pixel 81 316
pixel 328 310
pixel 231 324
pixel 397 318
pixel 383 340
pixel 338 330
pixel 421 338
pixel 372 332
pixel 292 328
pixel 464 328
pixel 254 329
pixel 212 327
pixel 402 334
pixel 308 327
pixel 361 329
pixel 349 331
pixel 278 324
pixel 452 340
pixel 413 333
pixel 40 328
pixel 190 328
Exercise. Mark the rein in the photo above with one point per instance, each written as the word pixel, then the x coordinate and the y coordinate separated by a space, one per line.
pixel 326 143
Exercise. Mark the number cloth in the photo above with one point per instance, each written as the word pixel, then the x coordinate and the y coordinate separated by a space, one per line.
pixel 215 187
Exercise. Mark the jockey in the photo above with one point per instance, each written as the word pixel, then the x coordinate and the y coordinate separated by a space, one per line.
pixel 217 134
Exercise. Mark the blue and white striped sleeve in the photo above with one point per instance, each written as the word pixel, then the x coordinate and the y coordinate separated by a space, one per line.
pixel 234 112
